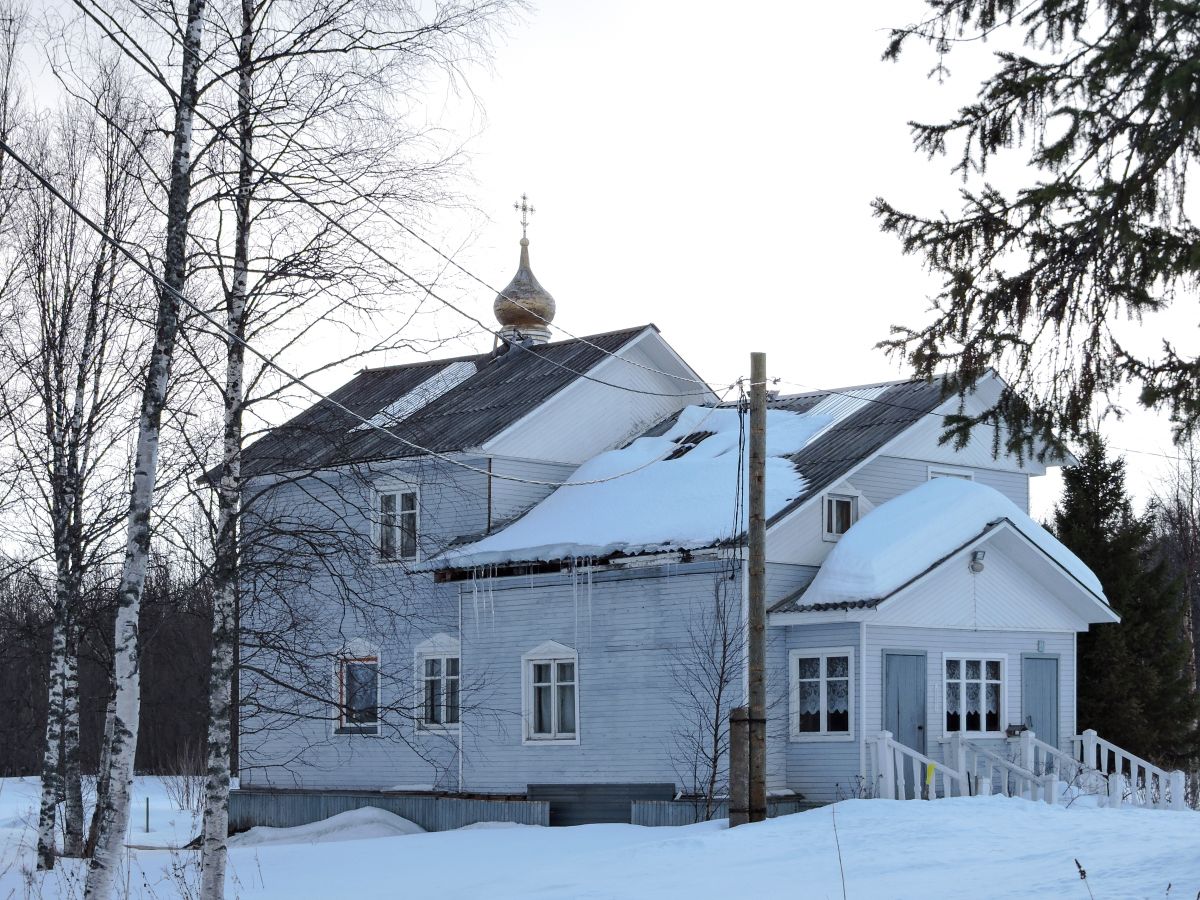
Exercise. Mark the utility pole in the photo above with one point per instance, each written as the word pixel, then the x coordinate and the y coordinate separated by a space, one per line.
pixel 757 537
pixel 739 775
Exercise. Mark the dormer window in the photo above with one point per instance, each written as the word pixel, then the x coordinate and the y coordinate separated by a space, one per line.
pixel 840 512
pixel 397 525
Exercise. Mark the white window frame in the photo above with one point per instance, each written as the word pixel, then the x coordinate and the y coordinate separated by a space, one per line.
pixel 398 489
pixel 984 659
pixel 855 504
pixel 443 647
pixel 824 735
pixel 550 652
pixel 356 651
pixel 950 472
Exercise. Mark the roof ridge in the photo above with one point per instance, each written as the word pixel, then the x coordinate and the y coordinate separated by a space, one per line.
pixel 536 349
pixel 859 387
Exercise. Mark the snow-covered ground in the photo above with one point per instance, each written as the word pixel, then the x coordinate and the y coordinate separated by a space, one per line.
pixel 978 848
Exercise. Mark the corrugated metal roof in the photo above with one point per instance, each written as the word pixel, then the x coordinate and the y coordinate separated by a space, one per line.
pixel 505 388
pixel 793 603
pixel 832 454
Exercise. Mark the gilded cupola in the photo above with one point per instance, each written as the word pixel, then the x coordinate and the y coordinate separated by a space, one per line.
pixel 524 309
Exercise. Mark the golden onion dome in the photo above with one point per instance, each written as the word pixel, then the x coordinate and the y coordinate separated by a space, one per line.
pixel 524 307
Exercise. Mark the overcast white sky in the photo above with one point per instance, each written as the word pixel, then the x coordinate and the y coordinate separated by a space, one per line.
pixel 709 167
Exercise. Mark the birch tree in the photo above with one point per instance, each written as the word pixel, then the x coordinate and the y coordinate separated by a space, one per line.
pixel 306 72
pixel 69 322
pixel 122 743
pixel 324 75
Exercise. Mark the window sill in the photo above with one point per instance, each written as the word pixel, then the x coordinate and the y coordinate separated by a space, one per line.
pixel 361 730
pixel 422 728
pixel 402 561
pixel 550 742
pixel 814 738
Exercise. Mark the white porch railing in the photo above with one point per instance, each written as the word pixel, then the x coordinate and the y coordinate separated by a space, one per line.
pixel 1036 771
pixel 1130 778
pixel 895 769
pixel 1040 758
pixel 986 770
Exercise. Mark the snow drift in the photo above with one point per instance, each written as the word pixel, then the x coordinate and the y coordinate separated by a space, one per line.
pixel 353 825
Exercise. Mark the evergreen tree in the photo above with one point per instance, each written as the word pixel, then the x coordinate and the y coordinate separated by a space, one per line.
pixel 1133 686
pixel 1041 266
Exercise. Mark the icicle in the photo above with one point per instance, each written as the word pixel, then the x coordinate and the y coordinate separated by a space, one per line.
pixel 572 569
pixel 491 595
pixel 591 561
pixel 475 595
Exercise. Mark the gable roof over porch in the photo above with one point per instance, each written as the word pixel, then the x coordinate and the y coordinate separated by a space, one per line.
pixel 919 546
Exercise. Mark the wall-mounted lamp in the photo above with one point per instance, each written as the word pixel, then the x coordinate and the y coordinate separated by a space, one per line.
pixel 976 565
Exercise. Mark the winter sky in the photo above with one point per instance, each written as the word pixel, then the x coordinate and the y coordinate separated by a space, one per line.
pixel 710 167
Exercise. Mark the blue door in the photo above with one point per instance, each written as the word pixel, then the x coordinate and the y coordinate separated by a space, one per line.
pixel 1039 696
pixel 904 698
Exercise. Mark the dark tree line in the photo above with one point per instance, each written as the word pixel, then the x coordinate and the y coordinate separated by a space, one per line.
pixel 1136 681
pixel 175 628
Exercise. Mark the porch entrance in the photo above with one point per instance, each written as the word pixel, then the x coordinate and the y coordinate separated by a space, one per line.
pixel 904 697
pixel 1039 696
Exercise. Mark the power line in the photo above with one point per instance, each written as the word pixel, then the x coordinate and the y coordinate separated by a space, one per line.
pixel 428 289
pixel 299 380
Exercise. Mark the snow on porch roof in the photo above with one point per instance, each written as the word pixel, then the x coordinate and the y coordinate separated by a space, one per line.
pixel 677 490
pixel 905 537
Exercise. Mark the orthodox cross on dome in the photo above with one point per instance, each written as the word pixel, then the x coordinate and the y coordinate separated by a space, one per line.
pixel 526 210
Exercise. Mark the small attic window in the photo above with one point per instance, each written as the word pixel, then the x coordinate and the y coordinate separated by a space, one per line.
pixel 688 443
pixel 840 511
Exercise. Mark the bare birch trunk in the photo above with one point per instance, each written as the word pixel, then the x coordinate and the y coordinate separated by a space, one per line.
pixel 73 788
pixel 52 782
pixel 110 843
pixel 220 717
pixel 110 716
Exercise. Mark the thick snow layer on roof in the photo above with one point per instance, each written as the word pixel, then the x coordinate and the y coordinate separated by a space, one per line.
pixel 663 503
pixel 902 538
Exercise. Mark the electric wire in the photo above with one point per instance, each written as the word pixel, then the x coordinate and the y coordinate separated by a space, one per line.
pixel 336 223
pixel 297 379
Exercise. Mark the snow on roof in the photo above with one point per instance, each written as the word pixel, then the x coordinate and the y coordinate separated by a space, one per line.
pixel 420 396
pixel 680 493
pixel 904 537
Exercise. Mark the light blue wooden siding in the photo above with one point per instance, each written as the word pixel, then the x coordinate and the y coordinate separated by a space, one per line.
pixel 314 585
pixel 630 631
pixel 935 643
pixel 512 498
pixel 820 770
pixel 784 579
pixel 886 477
pixel 453 499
